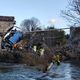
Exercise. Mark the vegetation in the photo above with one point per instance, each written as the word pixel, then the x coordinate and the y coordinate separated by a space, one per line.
pixel 50 28
pixel 30 24
pixel 72 14
pixel 27 57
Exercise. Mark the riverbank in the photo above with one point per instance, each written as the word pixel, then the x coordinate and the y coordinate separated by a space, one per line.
pixel 28 58
pixel 34 59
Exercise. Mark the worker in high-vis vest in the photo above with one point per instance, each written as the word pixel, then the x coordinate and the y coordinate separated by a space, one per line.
pixel 58 59
pixel 55 59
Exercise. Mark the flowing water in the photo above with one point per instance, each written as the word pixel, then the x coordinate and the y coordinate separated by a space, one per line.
pixel 66 71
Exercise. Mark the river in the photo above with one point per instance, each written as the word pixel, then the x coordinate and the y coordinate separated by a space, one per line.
pixel 66 71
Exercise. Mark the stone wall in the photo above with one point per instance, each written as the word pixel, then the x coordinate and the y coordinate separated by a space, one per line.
pixel 6 22
pixel 49 37
pixel 4 26
pixel 75 38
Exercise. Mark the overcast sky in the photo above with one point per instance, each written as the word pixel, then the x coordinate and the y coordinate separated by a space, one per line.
pixel 47 11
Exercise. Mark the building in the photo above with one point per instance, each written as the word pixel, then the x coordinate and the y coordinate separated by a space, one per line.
pixel 50 37
pixel 75 38
pixel 6 22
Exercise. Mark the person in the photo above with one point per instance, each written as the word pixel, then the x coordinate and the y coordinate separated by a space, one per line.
pixel 53 59
pixel 42 51
pixel 58 59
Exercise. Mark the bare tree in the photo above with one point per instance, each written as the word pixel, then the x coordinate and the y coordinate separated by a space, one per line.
pixel 72 14
pixel 30 24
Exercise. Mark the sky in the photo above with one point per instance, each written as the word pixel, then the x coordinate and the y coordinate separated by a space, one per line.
pixel 47 11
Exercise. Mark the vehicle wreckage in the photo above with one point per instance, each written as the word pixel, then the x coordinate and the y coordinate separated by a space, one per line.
pixel 10 38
